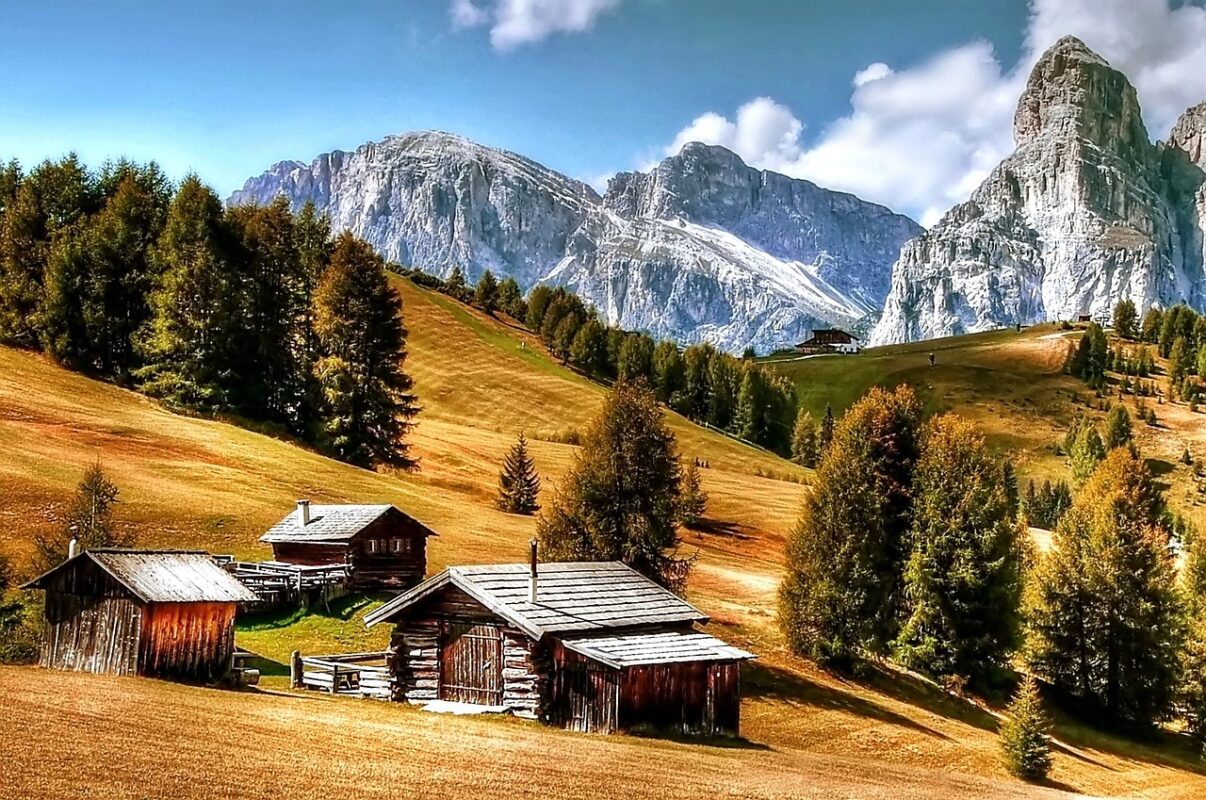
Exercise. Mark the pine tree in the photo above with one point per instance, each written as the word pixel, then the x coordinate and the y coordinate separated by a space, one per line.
pixel 454 285
pixel 693 501
pixel 749 418
pixel 518 482
pixel 1118 429
pixel 589 349
pixel 538 303
pixel 844 560
pixel 1152 323
pixel 1178 365
pixel 563 337
pixel 1125 318
pixel 510 299
pixel 485 296
pixel 88 520
pixel 825 435
pixel 1086 452
pixel 667 371
pixel 1009 481
pixel 194 306
pixel 804 440
pixel 367 401
pixel 1025 742
pixel 962 580
pixel 1104 612
pixel 620 498
pixel 636 357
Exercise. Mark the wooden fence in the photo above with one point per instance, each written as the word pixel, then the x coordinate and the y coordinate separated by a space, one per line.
pixel 279 584
pixel 363 674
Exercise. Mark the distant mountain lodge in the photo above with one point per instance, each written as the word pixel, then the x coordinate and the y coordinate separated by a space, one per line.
pixel 587 646
pixel 829 340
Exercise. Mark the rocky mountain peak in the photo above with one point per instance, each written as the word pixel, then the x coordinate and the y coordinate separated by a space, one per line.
pixel 1073 92
pixel 1189 134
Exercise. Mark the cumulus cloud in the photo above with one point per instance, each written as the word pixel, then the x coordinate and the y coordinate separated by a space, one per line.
pixel 518 22
pixel 921 139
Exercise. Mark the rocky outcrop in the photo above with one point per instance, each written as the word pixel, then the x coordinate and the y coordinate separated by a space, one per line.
pixel 701 248
pixel 1085 212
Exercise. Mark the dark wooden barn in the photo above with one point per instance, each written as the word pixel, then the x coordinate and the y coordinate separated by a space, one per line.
pixel 584 646
pixel 380 546
pixel 163 613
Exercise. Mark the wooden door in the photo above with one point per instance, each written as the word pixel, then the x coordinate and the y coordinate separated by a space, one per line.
pixel 471 662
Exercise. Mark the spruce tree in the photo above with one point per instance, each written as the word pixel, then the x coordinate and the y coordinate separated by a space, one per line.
pixel 1125 318
pixel 1118 429
pixel 804 440
pixel 1086 452
pixel 825 434
pixel 750 419
pixel 88 519
pixel 367 400
pixel 1105 616
pixel 538 303
pixel 845 558
pixel 510 299
pixel 1178 365
pixel 1025 742
pixel 518 482
pixel 589 349
pixel 1152 323
pixel 485 295
pixel 636 357
pixel 668 370
pixel 693 501
pixel 620 499
pixel 962 580
pixel 454 285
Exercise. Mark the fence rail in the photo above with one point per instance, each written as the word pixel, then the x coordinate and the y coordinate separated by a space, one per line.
pixel 363 674
pixel 277 583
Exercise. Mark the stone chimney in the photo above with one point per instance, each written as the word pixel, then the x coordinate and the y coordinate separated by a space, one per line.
pixel 303 512
pixel 533 575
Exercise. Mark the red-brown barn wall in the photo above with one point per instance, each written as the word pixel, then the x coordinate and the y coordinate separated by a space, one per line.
pixel 190 641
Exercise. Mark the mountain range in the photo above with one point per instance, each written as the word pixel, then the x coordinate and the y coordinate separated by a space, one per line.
pixel 703 247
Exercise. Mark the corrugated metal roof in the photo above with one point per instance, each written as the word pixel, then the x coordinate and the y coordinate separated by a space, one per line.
pixel 571 596
pixel 165 576
pixel 328 523
pixel 639 648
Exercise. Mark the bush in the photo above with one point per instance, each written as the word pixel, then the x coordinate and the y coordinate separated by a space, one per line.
pixel 1025 744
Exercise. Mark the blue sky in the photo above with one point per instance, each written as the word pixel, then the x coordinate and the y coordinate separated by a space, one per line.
pixel 587 87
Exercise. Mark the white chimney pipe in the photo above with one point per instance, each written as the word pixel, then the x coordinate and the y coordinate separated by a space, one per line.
pixel 73 548
pixel 532 576
pixel 303 512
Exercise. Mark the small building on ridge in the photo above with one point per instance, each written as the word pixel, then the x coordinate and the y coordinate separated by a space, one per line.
pixel 829 340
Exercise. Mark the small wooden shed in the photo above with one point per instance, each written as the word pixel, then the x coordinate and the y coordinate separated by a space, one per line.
pixel 584 646
pixel 380 546
pixel 163 613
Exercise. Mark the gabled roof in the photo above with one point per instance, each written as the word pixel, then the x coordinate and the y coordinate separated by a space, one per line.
pixel 333 524
pixel 571 596
pixel 162 576
pixel 637 648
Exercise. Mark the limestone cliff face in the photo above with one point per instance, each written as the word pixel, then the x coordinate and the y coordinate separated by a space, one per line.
pixel 702 248
pixel 1085 212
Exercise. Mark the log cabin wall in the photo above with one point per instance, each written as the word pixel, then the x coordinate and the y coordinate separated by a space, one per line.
pixel 418 644
pixel 309 554
pixel 690 697
pixel 189 641
pixel 583 695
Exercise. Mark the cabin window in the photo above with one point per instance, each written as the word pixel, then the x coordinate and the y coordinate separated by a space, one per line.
pixel 370 545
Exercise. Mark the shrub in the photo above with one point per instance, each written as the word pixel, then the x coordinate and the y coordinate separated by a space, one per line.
pixel 1025 744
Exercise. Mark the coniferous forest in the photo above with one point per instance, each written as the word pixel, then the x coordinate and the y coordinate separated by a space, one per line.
pixel 254 312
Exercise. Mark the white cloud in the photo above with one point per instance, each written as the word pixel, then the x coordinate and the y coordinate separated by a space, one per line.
pixel 518 22
pixel 921 139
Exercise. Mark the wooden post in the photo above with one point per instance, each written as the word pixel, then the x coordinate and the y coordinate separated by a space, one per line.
pixel 295 670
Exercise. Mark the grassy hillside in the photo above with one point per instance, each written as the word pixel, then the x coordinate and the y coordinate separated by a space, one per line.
pixel 194 482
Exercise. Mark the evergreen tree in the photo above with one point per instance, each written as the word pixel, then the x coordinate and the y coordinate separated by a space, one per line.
pixel 962 579
pixel 620 499
pixel 538 303
pixel 749 418
pixel 518 483
pixel 845 558
pixel 564 335
pixel 693 401
pixel 1104 613
pixel 510 299
pixel 668 371
pixel 313 232
pixel 485 296
pixel 88 519
pixel 636 357
pixel 825 434
pixel 1125 318
pixel 693 502
pixel 1009 481
pixel 455 285
pixel 1117 427
pixel 23 254
pixel 194 306
pixel 1086 452
pixel 1152 323
pixel 723 384
pixel 1025 742
pixel 589 348
pixel 804 440
pixel 367 402
pixel 1178 365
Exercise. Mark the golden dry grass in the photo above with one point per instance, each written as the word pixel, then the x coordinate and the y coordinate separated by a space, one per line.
pixel 207 484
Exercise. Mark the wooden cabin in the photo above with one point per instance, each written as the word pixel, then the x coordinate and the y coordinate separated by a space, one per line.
pixel 584 646
pixel 380 546
pixel 162 613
